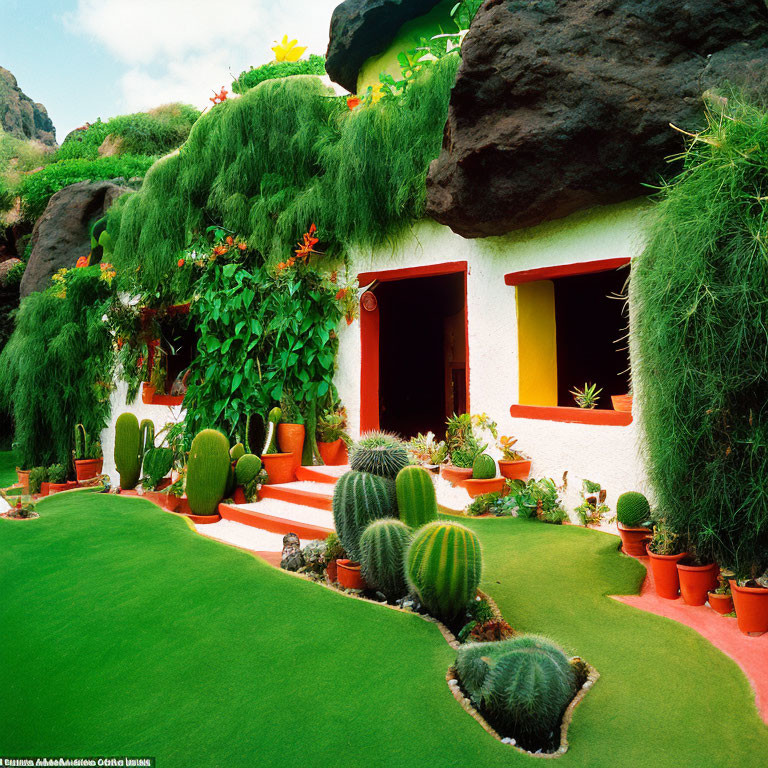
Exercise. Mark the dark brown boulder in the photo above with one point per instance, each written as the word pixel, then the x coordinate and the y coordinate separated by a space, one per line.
pixel 20 116
pixel 363 28
pixel 62 234
pixel 560 106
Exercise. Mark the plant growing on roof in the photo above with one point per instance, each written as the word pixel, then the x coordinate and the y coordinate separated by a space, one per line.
pixel 588 396
pixel 382 548
pixel 378 453
pixel 416 498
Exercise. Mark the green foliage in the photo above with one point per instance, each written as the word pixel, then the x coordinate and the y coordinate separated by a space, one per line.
pixel 483 467
pixel 632 509
pixel 128 450
pixel 237 451
pixel 333 548
pixel 416 499
pixel 378 453
pixel 81 441
pixel 157 464
pixel 443 567
pixel 358 499
pixel 247 468
pixel 147 437
pixel 536 499
pixel 56 369
pixel 14 274
pixel 463 444
pixel 208 471
pixel 270 442
pixel 37 476
pixel 57 473
pixel 702 332
pixel 484 503
pixel 314 65
pixel 382 549
pixel 525 683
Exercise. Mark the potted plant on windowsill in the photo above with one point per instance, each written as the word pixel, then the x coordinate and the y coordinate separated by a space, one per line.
pixel 332 439
pixel 57 478
pixel 88 456
pixel 588 397
pixel 664 551
pixel 633 515
pixel 513 464
pixel 278 466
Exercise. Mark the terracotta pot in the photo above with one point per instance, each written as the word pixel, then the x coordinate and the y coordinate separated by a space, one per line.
pixel 633 540
pixel 290 439
pixel 72 484
pixel 88 468
pixel 515 470
pixel 44 489
pixel 477 488
pixel 348 573
pixel 147 393
pixel 721 603
pixel 331 571
pixel 665 578
pixel 455 475
pixel 751 604
pixel 239 495
pixel 171 503
pixel 622 403
pixel 696 581
pixel 280 467
pixel 333 454
pixel 23 475
pixel 56 488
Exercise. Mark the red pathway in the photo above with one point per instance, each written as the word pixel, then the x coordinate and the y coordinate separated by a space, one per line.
pixel 750 653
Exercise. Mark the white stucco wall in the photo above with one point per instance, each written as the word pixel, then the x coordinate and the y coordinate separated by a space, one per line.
pixel 604 454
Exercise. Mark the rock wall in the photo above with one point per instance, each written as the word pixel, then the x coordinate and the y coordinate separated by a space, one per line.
pixel 22 117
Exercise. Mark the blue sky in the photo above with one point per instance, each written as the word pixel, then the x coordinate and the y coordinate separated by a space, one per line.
pixel 85 59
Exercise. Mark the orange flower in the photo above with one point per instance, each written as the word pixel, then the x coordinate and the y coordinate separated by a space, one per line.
pixel 105 265
pixel 217 98
pixel 354 101
pixel 230 240
pixel 341 293
pixel 242 246
pixel 306 248
pixel 220 250
pixel 181 262
pixel 82 262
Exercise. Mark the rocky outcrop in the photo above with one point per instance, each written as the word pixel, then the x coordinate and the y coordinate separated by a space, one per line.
pixel 361 29
pixel 561 106
pixel 62 234
pixel 20 116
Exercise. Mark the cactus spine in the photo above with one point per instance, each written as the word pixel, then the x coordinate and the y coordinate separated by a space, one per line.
pixel 378 453
pixel 416 500
pixel 270 442
pixel 127 450
pixel 382 549
pixel 443 567
pixel 358 499
pixel 632 509
pixel 483 467
pixel 208 471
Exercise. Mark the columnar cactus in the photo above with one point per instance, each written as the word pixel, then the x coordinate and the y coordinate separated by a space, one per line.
pixel 443 567
pixel 81 441
pixel 416 500
pixel 358 499
pixel 127 450
pixel 483 467
pixel 632 509
pixel 247 468
pixel 146 436
pixel 208 471
pixel 378 453
pixel 382 549
pixel 270 442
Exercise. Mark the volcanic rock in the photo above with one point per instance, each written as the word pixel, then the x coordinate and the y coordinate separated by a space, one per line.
pixel 20 116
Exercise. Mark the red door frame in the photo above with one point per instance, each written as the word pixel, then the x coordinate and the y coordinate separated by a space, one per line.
pixel 369 335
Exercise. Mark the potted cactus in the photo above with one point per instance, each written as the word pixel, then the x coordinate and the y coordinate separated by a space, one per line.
pixel 698 575
pixel 378 453
pixel 279 466
pixel 88 456
pixel 132 441
pixel 250 476
pixel 208 471
pixel 513 464
pixel 484 478
pixel 633 515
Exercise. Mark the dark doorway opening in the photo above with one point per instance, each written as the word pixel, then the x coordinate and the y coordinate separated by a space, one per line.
pixel 422 353
pixel 591 335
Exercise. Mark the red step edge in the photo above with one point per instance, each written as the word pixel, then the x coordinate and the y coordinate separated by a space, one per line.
pixel 304 498
pixel 315 475
pixel 271 523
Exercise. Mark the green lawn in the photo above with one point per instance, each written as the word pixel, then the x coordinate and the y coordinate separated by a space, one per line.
pixel 123 632
pixel 7 469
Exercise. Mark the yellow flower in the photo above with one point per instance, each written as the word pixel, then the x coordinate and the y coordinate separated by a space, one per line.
pixel 288 51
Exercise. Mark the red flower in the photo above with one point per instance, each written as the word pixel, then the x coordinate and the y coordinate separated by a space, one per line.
pixel 306 248
pixel 341 293
pixel 217 98
pixel 220 250
pixel 82 262
pixel 242 246
pixel 354 101
pixel 230 240
pixel 181 262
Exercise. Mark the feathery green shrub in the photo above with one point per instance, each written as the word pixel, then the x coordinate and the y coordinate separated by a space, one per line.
pixel 483 467
pixel 358 499
pixel 157 464
pixel 128 450
pixel 443 567
pixel 208 471
pixel 416 499
pixel 250 78
pixel 37 476
pixel 378 453
pixel 632 509
pixel 701 328
pixel 382 550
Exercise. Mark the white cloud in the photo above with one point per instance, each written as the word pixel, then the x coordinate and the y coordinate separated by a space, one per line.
pixel 183 50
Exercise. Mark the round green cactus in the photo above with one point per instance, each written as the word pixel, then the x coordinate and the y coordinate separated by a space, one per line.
pixel 443 567
pixel 416 500
pixel 237 451
pixel 358 499
pixel 632 509
pixel 208 471
pixel 378 453
pixel 128 450
pixel 247 468
pixel 382 548
pixel 483 467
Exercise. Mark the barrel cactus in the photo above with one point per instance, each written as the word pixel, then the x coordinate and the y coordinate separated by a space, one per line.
pixel 208 471
pixel 382 549
pixel 358 499
pixel 416 500
pixel 483 467
pixel 157 464
pixel 632 509
pixel 443 567
pixel 378 453
pixel 237 451
pixel 247 468
pixel 128 450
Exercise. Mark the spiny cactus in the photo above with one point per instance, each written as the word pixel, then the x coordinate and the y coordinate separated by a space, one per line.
pixel 632 509
pixel 146 436
pixel 378 453
pixel 270 442
pixel 382 548
pixel 157 464
pixel 416 500
pixel 127 450
pixel 358 499
pixel 483 467
pixel 237 451
pixel 81 441
pixel 247 468
pixel 208 471
pixel 443 567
